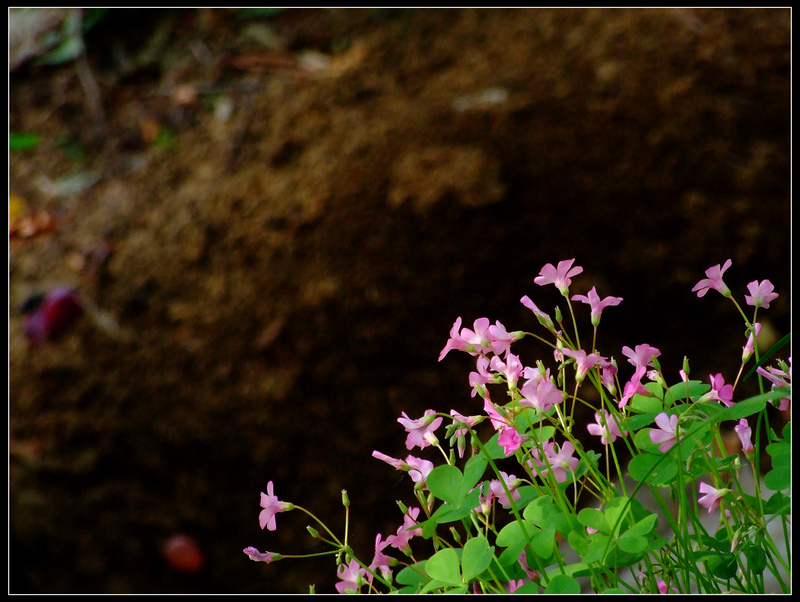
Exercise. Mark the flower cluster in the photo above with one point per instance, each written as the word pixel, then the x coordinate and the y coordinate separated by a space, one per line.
pixel 670 434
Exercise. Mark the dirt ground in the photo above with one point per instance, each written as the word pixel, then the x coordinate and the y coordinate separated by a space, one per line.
pixel 285 215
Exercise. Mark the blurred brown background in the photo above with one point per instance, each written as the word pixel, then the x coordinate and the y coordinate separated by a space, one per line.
pixel 286 211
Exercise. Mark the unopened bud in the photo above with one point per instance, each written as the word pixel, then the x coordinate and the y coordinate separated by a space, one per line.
pixel 431 438
pixel 456 535
pixel 403 507
pixel 314 533
pixel 558 314
pixel 686 366
pixel 345 499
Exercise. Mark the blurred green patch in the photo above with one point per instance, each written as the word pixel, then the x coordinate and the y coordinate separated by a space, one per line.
pixel 71 147
pixel 258 12
pixel 23 141
pixel 66 42
pixel 164 138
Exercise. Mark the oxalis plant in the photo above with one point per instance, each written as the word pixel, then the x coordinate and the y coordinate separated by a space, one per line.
pixel 524 507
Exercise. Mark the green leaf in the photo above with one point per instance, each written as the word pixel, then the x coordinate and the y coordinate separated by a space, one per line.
pixel 437 584
pixel 473 471
pixel 756 558
pixel 476 557
pixel 444 482
pixel 654 469
pixel 744 408
pixel 650 405
pixel 591 548
pixel 592 517
pixel 778 479
pixel 779 504
pixel 643 442
pixel 563 584
pixel 511 534
pixel 632 544
pixel 616 512
pixel 544 513
pixel 644 526
pixel 443 566
pixel 412 575
pixel 544 542
pixel 678 391
pixel 637 421
pixel 723 566
pixel 779 450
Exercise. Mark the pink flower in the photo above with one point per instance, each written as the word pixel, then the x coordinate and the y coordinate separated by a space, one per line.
pixel 398 464
pixel 485 498
pixel 460 419
pixel 711 498
pixel 271 506
pixel 543 318
pixel 761 295
pixel 596 305
pixel 420 431
pixel 540 393
pixel 257 556
pixel 780 379
pixel 473 342
pixel 455 341
pixel 532 574
pixel 583 362
pixel 501 339
pixel 714 281
pixel 744 432
pixel 605 427
pixel 511 368
pixel 514 585
pixel 510 440
pixel 512 483
pixel 498 420
pixel 719 391
pixel 643 355
pixel 381 562
pixel 634 387
pixel 352 576
pixel 406 532
pixel 560 459
pixel 607 372
pixel 560 276
pixel 482 376
pixel 417 468
pixel 750 346
pixel 667 433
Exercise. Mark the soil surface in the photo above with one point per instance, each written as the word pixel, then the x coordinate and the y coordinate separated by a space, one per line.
pixel 282 217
